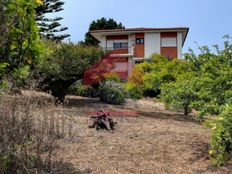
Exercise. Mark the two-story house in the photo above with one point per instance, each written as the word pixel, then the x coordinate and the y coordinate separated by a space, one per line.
pixel 132 45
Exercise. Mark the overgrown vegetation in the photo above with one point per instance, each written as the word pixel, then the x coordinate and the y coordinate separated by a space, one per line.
pixel 203 82
pixel 27 140
pixel 208 82
pixel 20 46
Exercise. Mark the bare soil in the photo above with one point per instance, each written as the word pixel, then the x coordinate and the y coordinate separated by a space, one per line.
pixel 155 142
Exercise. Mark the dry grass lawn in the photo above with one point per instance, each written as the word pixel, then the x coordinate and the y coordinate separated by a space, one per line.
pixel 155 142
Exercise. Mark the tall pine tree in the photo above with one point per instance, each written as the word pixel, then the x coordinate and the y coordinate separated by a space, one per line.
pixel 51 28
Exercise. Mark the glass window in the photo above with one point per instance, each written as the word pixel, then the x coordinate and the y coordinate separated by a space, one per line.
pixel 124 45
pixel 139 40
pixel 118 45
pixel 169 42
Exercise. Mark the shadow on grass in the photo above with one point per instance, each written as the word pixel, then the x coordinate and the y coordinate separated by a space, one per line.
pixel 80 102
pixel 169 116
pixel 201 151
pixel 89 102
pixel 59 167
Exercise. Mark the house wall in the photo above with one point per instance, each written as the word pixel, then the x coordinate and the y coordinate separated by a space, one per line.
pixel 170 52
pixel 131 44
pixel 110 43
pixel 169 44
pixel 139 48
pixel 152 44
pixel 117 37
pixel 179 45
pixel 110 40
pixel 103 42
pixel 121 67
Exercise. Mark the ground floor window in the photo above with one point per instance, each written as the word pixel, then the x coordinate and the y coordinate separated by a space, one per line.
pixel 118 45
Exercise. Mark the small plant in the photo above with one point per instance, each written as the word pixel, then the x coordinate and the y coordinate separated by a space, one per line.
pixel 133 91
pixel 82 90
pixel 111 95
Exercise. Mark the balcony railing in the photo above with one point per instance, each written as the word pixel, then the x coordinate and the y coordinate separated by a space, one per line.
pixel 119 51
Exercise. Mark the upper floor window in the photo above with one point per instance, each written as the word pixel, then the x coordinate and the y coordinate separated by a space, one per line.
pixel 168 42
pixel 139 40
pixel 118 45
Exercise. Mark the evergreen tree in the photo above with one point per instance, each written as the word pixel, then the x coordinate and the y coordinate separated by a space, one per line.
pixel 51 28
pixel 100 24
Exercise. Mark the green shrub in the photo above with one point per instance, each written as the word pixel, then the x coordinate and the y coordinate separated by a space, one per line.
pixel 77 89
pixel 82 90
pixel 221 137
pixel 150 75
pixel 133 91
pixel 111 95
pixel 112 76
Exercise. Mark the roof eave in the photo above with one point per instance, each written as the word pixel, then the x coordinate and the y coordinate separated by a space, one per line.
pixel 99 33
pixel 186 34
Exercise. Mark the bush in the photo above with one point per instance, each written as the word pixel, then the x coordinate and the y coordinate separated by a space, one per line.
pixel 83 90
pixel 112 76
pixel 149 76
pixel 221 137
pixel 133 91
pixel 111 95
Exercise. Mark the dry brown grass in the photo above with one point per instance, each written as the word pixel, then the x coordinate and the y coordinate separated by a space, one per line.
pixel 156 142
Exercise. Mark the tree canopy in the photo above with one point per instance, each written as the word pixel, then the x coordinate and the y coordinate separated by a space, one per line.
pixel 63 65
pixel 100 24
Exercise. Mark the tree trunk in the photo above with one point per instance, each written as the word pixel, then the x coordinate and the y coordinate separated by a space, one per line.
pixel 186 110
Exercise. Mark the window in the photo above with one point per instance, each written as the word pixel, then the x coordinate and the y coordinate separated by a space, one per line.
pixel 139 40
pixel 168 42
pixel 118 45
pixel 120 66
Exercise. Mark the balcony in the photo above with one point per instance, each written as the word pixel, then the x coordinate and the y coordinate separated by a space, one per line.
pixel 122 52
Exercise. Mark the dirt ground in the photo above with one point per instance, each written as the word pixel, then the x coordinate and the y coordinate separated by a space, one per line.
pixel 154 142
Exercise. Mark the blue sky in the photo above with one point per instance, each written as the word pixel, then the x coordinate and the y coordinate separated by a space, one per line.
pixel 208 20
